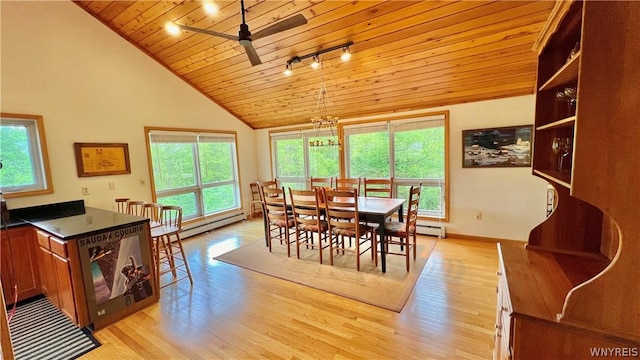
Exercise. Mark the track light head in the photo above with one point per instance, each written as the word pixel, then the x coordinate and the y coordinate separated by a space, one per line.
pixel 316 62
pixel 287 70
pixel 346 53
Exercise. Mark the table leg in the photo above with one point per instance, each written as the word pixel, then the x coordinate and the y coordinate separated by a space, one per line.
pixel 383 258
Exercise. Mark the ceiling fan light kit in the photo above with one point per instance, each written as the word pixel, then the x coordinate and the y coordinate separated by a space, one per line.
pixel 245 37
pixel 210 7
pixel 346 55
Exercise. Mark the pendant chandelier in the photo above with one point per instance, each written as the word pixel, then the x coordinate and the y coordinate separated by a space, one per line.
pixel 322 121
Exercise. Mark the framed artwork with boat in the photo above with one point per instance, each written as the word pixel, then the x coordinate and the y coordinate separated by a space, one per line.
pixel 508 146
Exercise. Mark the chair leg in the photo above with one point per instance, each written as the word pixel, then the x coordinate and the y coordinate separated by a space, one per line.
pixel 172 261
pixel 184 258
pixel 407 252
pixel 357 252
pixel 320 246
pixel 156 253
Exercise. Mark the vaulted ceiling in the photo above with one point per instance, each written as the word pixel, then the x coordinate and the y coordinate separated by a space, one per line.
pixel 407 55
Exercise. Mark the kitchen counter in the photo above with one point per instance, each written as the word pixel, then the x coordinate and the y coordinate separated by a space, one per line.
pixel 69 219
pixel 93 220
pixel 94 265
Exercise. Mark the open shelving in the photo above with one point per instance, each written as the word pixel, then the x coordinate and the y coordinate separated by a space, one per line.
pixel 573 285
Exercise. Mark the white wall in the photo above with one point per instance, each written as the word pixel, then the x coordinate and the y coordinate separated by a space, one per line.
pixel 511 200
pixel 90 85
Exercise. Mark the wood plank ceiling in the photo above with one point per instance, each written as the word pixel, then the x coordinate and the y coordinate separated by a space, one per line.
pixel 407 55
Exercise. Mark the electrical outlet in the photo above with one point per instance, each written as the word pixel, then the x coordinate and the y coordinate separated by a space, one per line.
pixel 85 190
pixel 478 215
pixel 112 185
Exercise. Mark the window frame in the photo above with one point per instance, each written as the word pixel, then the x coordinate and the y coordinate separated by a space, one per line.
pixel 39 156
pixel 199 186
pixel 444 185
pixel 398 122
pixel 303 133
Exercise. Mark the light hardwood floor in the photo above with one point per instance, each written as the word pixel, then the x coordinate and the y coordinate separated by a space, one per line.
pixel 234 313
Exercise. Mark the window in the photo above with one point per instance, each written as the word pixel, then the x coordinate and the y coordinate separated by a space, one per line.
pixel 409 150
pixel 295 160
pixel 195 170
pixel 23 154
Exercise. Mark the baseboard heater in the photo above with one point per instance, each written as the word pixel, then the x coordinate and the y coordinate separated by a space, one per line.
pixel 433 230
pixel 210 224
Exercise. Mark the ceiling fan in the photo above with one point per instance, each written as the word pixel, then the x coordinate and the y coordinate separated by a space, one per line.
pixel 245 37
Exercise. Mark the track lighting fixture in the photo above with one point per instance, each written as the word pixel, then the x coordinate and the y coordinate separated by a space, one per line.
pixel 346 54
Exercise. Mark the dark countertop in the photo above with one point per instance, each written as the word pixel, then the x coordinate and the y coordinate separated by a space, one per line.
pixel 70 219
pixel 93 220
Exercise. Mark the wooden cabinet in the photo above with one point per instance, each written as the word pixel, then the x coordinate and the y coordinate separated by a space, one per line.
pixel 18 258
pixel 57 282
pixel 574 286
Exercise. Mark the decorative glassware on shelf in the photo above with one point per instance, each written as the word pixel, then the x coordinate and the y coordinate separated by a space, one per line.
pixel 569 94
pixel 562 148
pixel 574 51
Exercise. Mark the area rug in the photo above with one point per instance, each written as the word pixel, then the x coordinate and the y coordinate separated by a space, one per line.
pixel 388 290
pixel 40 331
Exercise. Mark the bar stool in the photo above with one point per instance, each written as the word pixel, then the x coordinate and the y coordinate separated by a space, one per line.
pixel 135 207
pixel 168 253
pixel 152 211
pixel 122 204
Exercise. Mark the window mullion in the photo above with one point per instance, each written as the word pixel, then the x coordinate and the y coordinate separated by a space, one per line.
pixel 305 151
pixel 198 173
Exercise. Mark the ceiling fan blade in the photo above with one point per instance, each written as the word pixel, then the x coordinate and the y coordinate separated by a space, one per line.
pixel 283 25
pixel 208 32
pixel 253 55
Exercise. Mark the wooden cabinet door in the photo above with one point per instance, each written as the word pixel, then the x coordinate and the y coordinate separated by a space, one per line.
pixel 48 275
pixel 65 289
pixel 20 264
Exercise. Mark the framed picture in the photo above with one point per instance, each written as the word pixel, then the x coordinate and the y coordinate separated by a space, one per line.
pixel 497 147
pixel 96 159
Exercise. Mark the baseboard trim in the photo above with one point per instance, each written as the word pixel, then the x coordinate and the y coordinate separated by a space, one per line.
pixel 483 238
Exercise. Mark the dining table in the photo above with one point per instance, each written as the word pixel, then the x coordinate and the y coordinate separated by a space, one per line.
pixel 377 210
pixel 374 210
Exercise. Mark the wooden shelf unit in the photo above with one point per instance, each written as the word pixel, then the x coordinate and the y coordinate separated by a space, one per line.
pixel 574 285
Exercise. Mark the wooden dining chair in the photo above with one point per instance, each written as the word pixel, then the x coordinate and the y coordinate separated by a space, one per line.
pixel 348 183
pixel 121 205
pixel 382 188
pixel 341 209
pixel 400 237
pixel 280 222
pixel 255 205
pixel 168 251
pixel 308 218
pixel 135 207
pixel 321 182
pixel 266 184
